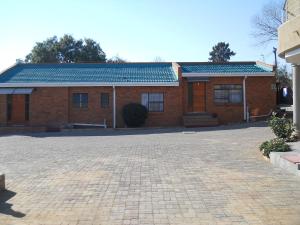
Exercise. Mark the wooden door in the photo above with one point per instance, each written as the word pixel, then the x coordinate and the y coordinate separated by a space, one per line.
pixel 199 97
pixel 196 97
pixel 17 109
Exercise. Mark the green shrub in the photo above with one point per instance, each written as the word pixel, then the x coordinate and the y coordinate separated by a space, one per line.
pixel 134 114
pixel 274 145
pixel 282 127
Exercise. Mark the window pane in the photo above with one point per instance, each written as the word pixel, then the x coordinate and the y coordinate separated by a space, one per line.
pixel 221 94
pixel 236 96
pixel 84 100
pixel 144 99
pixel 80 100
pixel 153 101
pixel 76 100
pixel 238 86
pixel 228 93
pixel 155 97
pixel 156 107
pixel 104 100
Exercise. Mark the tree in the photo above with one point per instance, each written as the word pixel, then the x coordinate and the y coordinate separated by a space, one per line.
pixel 116 59
pixel 158 59
pixel 283 77
pixel 221 53
pixel 266 23
pixel 66 50
pixel 44 52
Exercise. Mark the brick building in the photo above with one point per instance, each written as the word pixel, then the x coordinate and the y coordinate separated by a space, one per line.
pixel 191 94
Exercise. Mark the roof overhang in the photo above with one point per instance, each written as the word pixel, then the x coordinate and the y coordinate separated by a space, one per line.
pixel 293 56
pixel 16 91
pixel 91 84
pixel 197 79
pixel 266 74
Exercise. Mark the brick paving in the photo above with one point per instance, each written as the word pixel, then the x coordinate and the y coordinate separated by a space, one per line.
pixel 161 176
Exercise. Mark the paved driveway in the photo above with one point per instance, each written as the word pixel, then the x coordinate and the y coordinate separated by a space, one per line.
pixel 170 176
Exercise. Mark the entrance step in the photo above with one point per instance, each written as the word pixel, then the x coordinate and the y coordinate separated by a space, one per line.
pixel 20 129
pixel 200 120
pixel 289 161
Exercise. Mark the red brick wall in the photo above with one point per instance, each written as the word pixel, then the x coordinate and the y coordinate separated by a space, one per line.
pixel 226 113
pixel 260 98
pixel 172 115
pixel 53 106
pixel 94 113
pixel 2 110
pixel 49 106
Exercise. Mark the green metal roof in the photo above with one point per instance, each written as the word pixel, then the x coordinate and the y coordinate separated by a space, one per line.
pixel 89 73
pixel 225 68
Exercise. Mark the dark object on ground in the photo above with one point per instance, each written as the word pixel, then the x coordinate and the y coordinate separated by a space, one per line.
pixel 2 182
pixel 285 96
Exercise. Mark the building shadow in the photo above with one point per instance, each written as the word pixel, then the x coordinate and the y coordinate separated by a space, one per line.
pixel 137 131
pixel 6 208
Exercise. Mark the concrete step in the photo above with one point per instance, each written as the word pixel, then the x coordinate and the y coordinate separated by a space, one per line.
pixel 20 129
pixel 289 161
pixel 200 120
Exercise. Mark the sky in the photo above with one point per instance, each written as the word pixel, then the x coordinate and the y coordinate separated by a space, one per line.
pixel 136 30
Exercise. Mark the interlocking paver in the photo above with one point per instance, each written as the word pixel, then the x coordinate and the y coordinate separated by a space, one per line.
pixel 158 176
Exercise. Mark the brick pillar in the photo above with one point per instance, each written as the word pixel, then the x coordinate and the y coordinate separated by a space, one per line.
pixel 296 98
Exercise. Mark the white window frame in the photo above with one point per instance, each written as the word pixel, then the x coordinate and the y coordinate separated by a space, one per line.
pixel 228 90
pixel 81 105
pixel 147 103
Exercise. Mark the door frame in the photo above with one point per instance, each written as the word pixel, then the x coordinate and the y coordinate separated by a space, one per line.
pixel 190 96
pixel 10 109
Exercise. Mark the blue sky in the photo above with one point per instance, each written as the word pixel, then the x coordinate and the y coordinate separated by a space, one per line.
pixel 136 30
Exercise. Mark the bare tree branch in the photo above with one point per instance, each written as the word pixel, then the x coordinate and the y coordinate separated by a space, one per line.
pixel 266 23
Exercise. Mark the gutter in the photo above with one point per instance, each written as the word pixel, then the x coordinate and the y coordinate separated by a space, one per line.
pixel 245 99
pixel 92 84
pixel 114 107
pixel 264 74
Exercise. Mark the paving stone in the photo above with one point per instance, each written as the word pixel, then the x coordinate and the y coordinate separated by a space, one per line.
pixel 159 176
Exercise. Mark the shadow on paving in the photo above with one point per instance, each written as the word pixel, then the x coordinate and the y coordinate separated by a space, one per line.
pixel 6 208
pixel 136 131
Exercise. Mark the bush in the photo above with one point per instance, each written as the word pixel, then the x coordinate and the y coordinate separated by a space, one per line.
pixel 282 127
pixel 134 114
pixel 274 145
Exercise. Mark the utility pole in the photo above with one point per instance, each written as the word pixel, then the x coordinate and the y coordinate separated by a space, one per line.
pixel 277 82
pixel 275 55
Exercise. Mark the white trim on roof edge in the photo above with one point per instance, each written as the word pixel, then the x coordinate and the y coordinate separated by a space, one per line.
pixel 90 84
pixel 266 74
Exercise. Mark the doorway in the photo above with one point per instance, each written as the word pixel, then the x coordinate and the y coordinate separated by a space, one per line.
pixel 196 97
pixel 17 109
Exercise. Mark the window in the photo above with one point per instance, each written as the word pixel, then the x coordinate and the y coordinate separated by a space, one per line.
pixel 153 101
pixel 228 93
pixel 80 100
pixel 104 100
